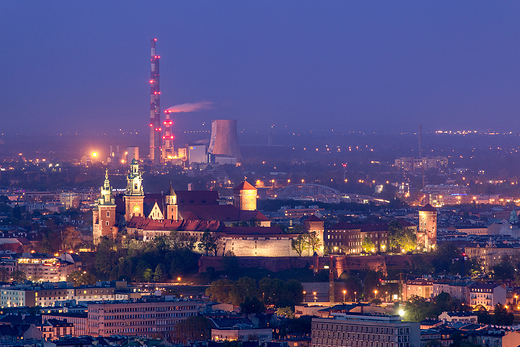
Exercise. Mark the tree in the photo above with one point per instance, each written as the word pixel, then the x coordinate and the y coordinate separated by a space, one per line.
pixel 242 289
pixel 194 328
pixel 286 312
pixel 394 230
pixel 371 281
pixel 51 241
pixel 313 242
pixel 252 305
pixel 483 315
pixel 230 264
pixel 18 276
pixel 158 275
pixel 353 286
pixel 298 244
pixel 4 274
pixel 417 309
pixel 81 278
pixel 71 239
pixel 503 271
pixel 178 241
pixel 208 243
pixel 401 238
pixel 271 289
pixel 501 316
pixel 219 290
pixel 443 257
pixel 368 246
pixel 106 256
pixel 147 275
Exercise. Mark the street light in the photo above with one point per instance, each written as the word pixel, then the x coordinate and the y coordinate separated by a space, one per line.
pixel 304 294
pixel 344 292
pixel 355 296
pixel 375 293
pixel 314 293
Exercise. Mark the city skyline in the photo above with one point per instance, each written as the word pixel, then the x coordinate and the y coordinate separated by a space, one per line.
pixel 347 66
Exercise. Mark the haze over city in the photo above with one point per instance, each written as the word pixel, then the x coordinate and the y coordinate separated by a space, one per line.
pixel 72 67
pixel 259 173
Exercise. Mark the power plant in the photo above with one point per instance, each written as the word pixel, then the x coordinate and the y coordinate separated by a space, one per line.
pixel 155 108
pixel 168 152
pixel 223 147
pixel 224 139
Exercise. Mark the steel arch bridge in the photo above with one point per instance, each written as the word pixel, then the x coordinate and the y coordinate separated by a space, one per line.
pixel 313 192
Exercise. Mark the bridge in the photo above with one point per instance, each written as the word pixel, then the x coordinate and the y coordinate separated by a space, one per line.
pixel 317 192
pixel 310 192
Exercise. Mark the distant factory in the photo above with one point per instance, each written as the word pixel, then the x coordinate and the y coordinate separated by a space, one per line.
pixel 223 147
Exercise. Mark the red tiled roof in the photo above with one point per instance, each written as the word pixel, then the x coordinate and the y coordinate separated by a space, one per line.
pixel 219 213
pixel 244 186
pixel 313 218
pixel 162 225
pixel 428 208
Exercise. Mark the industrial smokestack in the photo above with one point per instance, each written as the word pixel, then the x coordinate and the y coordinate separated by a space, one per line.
pixel 224 138
pixel 155 108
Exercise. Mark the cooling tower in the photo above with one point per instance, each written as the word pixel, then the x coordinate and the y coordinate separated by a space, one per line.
pixel 224 139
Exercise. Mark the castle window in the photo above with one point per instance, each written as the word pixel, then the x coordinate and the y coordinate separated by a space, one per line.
pixel 108 213
pixel 107 223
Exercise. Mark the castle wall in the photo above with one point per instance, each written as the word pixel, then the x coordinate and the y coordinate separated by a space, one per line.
pixel 269 263
pixel 257 246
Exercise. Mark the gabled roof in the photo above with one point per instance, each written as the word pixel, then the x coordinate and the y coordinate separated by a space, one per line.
pixel 428 208
pixel 171 192
pixel 313 218
pixel 225 213
pixel 244 186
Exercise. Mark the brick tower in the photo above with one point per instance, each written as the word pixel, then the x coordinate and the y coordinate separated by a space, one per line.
pixel 427 230
pixel 172 209
pixel 245 197
pixel 104 214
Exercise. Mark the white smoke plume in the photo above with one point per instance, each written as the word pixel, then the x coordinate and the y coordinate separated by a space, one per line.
pixel 190 107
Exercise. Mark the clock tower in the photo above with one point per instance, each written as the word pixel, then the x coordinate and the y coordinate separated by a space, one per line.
pixel 134 195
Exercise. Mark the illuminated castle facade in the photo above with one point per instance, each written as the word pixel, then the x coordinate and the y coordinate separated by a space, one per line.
pixel 239 228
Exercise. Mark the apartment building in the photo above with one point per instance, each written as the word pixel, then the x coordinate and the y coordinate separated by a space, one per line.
pixel 487 295
pixel 143 317
pixel 364 330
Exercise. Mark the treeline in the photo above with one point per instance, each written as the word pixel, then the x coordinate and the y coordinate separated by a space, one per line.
pixel 249 294
pixel 418 309
pixel 161 259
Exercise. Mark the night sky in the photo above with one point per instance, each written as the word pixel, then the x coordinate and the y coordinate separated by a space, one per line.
pixel 386 66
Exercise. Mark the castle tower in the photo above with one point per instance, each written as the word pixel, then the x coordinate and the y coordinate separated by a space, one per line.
pixel 172 209
pixel 134 195
pixel 245 197
pixel 316 225
pixel 427 230
pixel 104 214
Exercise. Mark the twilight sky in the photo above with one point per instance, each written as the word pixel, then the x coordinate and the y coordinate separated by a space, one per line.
pixel 76 66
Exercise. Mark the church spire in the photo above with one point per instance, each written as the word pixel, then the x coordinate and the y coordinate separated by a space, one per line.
pixel 106 192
